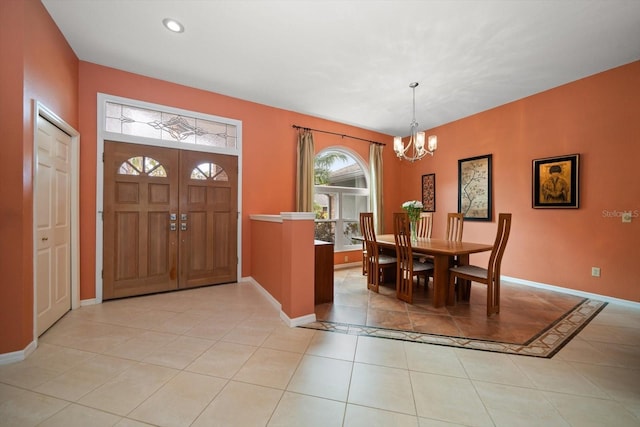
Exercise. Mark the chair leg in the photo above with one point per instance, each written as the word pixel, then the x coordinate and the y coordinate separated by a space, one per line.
pixel 364 263
pixel 493 298
pixel 451 290
pixel 463 289
pixel 373 280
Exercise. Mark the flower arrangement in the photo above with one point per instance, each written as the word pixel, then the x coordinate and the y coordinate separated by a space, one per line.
pixel 413 208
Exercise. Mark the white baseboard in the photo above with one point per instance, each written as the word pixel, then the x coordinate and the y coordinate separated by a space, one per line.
pixel 570 291
pixel 18 356
pixel 309 318
pixel 274 302
pixel 302 320
pixel 92 301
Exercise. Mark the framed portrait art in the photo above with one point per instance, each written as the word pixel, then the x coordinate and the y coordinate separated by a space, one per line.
pixel 429 192
pixel 474 188
pixel 555 182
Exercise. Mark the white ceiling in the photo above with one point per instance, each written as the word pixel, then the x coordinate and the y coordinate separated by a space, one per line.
pixel 352 60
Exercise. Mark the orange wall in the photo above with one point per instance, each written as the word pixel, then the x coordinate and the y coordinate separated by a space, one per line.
pixel 352 257
pixel 298 265
pixel 282 250
pixel 37 64
pixel 266 253
pixel 269 149
pixel 596 117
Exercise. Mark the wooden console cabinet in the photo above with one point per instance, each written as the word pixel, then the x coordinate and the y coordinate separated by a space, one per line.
pixel 324 272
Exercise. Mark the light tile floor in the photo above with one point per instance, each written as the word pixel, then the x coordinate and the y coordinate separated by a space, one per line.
pixel 220 356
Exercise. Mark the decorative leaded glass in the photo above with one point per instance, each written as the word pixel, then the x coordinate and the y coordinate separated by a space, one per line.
pixel 209 171
pixel 149 123
pixel 142 165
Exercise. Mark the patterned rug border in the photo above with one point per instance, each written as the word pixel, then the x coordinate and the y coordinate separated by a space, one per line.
pixel 544 344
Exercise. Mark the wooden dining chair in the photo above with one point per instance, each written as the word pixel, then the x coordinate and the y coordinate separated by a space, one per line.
pixel 490 276
pixel 455 223
pixel 364 258
pixel 425 229
pixel 425 225
pixel 376 261
pixel 406 266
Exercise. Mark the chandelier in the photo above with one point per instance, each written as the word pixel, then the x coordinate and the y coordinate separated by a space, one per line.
pixel 415 149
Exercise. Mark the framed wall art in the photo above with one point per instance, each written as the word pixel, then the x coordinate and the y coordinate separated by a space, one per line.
pixel 474 188
pixel 555 182
pixel 429 192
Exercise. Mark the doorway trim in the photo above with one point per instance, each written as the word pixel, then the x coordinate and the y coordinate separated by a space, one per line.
pixel 118 137
pixel 40 110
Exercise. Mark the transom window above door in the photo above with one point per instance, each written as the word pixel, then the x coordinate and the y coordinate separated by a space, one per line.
pixel 166 126
pixel 341 192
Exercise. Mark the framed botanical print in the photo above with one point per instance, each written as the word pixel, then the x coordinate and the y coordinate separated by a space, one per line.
pixel 429 192
pixel 555 182
pixel 474 188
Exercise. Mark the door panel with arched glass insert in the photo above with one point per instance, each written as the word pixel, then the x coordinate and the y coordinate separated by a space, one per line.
pixel 169 222
pixel 208 205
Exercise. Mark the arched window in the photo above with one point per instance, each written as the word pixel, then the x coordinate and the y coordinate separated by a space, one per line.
pixel 341 193
pixel 209 171
pixel 142 165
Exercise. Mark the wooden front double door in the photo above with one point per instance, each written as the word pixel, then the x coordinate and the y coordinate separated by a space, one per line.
pixel 170 219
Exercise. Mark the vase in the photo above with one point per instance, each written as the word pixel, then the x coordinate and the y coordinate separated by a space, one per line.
pixel 414 231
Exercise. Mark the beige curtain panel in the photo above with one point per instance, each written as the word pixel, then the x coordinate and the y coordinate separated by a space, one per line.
pixel 375 186
pixel 304 171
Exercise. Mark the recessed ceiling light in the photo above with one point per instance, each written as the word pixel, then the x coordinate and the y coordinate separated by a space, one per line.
pixel 173 25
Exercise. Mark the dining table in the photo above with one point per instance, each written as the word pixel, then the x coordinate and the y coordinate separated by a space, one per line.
pixel 444 252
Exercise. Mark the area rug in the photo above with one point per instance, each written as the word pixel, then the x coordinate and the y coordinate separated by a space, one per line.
pixel 545 344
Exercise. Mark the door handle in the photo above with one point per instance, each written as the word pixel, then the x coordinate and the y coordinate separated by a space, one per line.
pixel 183 226
pixel 172 226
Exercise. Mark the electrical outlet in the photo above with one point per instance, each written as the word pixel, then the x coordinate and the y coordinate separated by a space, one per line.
pixel 626 216
pixel 595 271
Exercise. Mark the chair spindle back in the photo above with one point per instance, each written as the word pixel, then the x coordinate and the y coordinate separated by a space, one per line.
pixel 455 223
pixel 425 225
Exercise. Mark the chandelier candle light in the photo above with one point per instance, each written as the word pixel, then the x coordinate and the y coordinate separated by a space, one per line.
pixel 413 208
pixel 415 149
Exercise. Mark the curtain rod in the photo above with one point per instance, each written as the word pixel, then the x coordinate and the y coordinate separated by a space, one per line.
pixel 339 134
